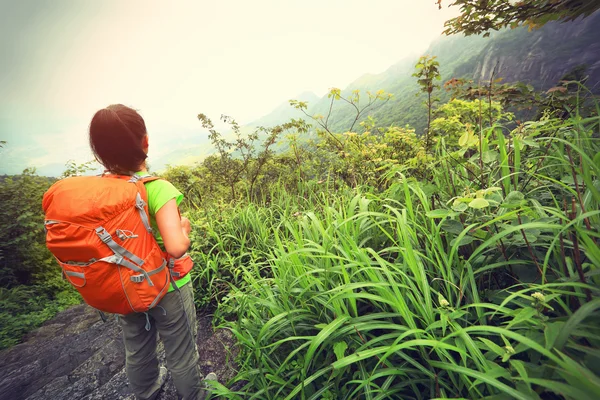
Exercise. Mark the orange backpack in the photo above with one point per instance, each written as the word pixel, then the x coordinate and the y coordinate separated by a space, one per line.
pixel 99 230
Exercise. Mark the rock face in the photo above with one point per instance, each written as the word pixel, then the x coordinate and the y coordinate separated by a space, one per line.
pixel 77 356
pixel 542 57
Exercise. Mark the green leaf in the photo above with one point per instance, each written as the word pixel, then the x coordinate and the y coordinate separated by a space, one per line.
pixel 439 213
pixel 452 225
pixel 464 139
pixel 479 203
pixel 482 377
pixel 463 241
pixel 459 206
pixel 493 347
pixel 523 315
pixel 551 332
pixel 340 349
pixel 574 320
pixel 514 196
pixel 327 331
pixel 520 367
pixel 489 156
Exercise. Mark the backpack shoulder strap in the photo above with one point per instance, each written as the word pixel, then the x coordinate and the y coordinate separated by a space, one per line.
pixel 149 178
pixel 143 178
pixel 142 197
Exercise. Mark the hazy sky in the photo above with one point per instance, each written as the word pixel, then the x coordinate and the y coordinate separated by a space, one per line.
pixel 63 60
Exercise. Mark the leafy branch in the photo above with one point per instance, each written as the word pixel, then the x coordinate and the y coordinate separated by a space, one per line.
pixel 380 97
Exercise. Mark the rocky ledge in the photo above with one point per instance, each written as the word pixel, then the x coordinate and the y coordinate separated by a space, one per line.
pixel 77 356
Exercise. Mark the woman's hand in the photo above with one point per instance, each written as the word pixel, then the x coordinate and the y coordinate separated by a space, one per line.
pixel 186 226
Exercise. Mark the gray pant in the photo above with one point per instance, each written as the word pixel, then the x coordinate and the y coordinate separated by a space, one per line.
pixel 179 338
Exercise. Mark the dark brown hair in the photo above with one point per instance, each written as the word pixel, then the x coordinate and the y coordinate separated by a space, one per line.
pixel 117 139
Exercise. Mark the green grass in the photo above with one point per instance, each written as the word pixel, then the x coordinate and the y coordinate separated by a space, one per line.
pixel 404 294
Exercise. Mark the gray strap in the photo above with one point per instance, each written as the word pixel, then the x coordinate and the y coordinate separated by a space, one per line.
pixel 116 259
pixel 135 177
pixel 81 264
pixel 159 296
pixel 75 274
pixel 102 316
pixel 115 247
pixel 173 281
pixel 79 275
pixel 140 204
pixel 49 222
pixel 124 234
pixel 140 278
pixel 148 326
pixel 171 266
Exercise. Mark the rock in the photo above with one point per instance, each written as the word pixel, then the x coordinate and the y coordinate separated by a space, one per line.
pixel 77 356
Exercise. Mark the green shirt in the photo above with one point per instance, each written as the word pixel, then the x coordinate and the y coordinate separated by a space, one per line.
pixel 160 192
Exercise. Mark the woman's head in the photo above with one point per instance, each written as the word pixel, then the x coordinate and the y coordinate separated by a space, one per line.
pixel 118 139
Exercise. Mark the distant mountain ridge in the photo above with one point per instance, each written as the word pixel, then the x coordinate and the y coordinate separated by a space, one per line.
pixel 540 57
pixel 284 112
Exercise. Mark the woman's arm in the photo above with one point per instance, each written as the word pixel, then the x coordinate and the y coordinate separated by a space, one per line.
pixel 173 229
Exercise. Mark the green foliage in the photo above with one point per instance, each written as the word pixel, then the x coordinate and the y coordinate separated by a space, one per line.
pixel 481 16
pixel 238 160
pixel 457 117
pixel 26 307
pixel 74 169
pixel 373 101
pixel 458 288
pixel 31 289
pixel 23 254
pixel 387 272
pixel 427 73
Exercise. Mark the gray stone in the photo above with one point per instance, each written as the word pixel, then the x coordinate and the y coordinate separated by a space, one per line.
pixel 77 356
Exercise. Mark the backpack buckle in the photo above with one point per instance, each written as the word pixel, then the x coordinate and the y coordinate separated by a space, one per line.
pixel 137 278
pixel 103 234
pixel 139 203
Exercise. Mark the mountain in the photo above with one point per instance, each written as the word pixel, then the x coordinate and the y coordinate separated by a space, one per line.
pixel 539 57
pixel 284 112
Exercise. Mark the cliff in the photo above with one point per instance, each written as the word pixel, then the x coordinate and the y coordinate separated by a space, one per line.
pixel 540 57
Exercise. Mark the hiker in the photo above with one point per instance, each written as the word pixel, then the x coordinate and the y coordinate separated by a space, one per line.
pixel 114 237
pixel 119 141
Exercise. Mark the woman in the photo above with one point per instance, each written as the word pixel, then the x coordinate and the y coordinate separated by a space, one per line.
pixel 119 141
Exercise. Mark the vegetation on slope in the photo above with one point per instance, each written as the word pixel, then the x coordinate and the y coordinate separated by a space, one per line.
pixel 393 273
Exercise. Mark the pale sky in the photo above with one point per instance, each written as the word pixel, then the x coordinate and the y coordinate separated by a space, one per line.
pixel 63 60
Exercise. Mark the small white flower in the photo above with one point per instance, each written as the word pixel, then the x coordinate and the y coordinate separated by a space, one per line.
pixel 539 297
pixel 443 302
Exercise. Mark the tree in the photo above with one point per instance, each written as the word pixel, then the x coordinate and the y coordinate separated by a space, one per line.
pixel 354 99
pixel 427 72
pixel 244 156
pixel 22 239
pixel 481 16
pixel 458 116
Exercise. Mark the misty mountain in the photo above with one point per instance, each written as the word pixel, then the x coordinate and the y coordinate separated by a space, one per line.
pixel 284 112
pixel 539 57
